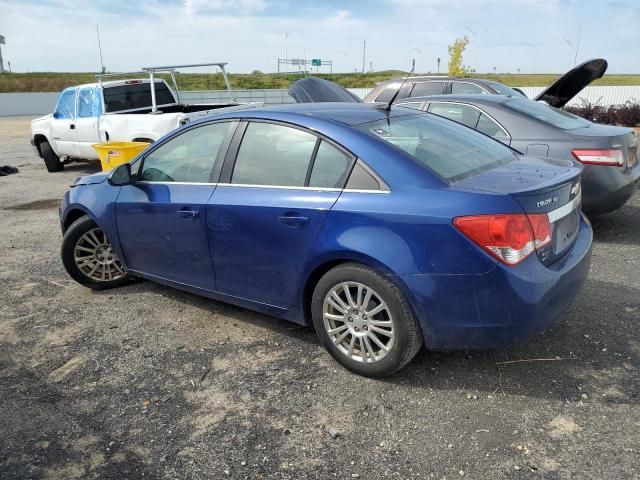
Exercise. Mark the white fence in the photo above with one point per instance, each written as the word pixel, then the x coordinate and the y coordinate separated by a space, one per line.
pixel 40 103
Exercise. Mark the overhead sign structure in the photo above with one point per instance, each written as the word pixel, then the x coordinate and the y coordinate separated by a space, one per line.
pixel 316 62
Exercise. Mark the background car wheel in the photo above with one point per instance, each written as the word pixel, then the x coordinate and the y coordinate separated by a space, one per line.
pixel 364 321
pixel 88 256
pixel 51 160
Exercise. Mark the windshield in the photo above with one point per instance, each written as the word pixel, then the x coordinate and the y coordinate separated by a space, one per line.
pixel 452 151
pixel 547 114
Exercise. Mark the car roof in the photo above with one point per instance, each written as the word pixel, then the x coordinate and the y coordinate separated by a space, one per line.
pixel 471 98
pixel 346 113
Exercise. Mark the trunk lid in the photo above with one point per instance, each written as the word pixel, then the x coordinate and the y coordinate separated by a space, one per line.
pixel 541 186
pixel 560 92
pixel 607 136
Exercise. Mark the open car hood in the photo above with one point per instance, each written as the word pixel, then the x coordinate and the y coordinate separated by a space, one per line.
pixel 571 83
pixel 313 89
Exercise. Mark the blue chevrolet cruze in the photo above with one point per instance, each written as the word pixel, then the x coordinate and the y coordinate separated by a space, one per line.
pixel 383 228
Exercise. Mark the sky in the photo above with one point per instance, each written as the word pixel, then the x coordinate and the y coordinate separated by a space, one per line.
pixel 60 35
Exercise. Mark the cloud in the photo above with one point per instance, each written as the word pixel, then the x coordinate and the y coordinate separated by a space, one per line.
pixel 249 34
pixel 204 7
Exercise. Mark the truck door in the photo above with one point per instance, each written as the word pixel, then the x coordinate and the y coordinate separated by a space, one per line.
pixel 89 109
pixel 63 126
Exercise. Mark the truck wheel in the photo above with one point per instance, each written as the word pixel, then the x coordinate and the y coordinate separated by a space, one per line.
pixel 51 160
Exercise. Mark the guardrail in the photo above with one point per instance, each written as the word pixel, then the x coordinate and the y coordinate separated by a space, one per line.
pixel 41 103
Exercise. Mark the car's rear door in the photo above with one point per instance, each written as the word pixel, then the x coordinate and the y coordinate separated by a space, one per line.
pixel 161 218
pixel 277 186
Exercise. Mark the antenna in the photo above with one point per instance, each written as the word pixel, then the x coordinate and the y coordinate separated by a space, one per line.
pixel 102 70
pixel 388 107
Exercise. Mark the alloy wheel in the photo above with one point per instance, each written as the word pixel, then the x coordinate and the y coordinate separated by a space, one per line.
pixel 95 258
pixel 358 322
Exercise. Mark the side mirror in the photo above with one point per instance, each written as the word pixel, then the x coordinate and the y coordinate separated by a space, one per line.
pixel 121 175
pixel 56 115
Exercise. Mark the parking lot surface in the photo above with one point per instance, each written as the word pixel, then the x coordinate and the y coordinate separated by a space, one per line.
pixel 150 382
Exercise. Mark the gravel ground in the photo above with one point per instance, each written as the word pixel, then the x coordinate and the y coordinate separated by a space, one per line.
pixel 149 382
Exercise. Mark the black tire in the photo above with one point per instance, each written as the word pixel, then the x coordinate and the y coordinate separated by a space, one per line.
pixel 408 336
pixel 72 237
pixel 51 160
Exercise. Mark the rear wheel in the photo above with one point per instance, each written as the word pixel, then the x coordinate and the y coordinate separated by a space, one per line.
pixel 88 256
pixel 364 321
pixel 51 160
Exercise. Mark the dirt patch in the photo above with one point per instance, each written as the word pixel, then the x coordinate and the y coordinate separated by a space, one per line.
pixel 147 382
pixel 36 205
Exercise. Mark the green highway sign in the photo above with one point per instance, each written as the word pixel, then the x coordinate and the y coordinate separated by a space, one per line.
pixel 316 62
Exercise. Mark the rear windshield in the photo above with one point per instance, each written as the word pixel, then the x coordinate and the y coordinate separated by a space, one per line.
pixel 547 114
pixel 503 89
pixel 451 150
pixel 136 95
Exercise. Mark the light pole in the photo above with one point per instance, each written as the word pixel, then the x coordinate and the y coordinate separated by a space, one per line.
pixel 419 55
pixel 2 42
pixel 535 52
pixel 286 65
pixel 475 47
pixel 570 43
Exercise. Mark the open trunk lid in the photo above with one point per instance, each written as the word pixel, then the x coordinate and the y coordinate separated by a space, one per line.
pixel 541 186
pixel 560 92
pixel 313 89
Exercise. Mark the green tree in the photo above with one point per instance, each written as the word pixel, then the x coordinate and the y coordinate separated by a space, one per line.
pixel 456 49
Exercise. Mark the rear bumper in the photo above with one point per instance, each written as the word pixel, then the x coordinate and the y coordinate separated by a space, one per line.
pixel 605 189
pixel 501 307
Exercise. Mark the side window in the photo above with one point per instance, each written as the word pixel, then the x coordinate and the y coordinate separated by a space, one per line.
pixel 88 103
pixel 273 155
pixel 66 105
pixel 427 88
pixel 487 126
pixel 362 179
pixel 466 88
pixel 415 105
pixel 386 94
pixel 189 157
pixel 460 113
pixel 329 167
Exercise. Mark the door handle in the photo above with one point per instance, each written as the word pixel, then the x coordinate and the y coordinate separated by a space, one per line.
pixel 293 220
pixel 187 213
pixel 72 126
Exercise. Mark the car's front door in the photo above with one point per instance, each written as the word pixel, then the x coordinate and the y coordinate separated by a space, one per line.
pixel 88 113
pixel 275 192
pixel 161 218
pixel 63 124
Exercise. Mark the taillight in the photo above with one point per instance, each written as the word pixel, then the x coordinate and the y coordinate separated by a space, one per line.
pixel 596 156
pixel 510 238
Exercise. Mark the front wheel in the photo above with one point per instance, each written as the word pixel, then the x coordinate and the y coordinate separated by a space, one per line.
pixel 364 321
pixel 89 258
pixel 51 160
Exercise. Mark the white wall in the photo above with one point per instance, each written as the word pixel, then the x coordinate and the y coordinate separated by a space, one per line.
pixel 41 103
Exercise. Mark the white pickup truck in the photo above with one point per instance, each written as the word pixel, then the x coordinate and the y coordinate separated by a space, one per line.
pixel 115 110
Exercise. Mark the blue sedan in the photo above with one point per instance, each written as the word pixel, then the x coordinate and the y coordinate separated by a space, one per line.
pixel 384 228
